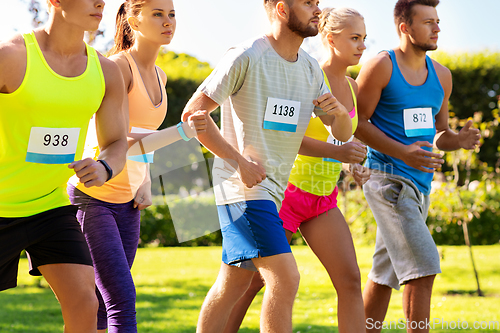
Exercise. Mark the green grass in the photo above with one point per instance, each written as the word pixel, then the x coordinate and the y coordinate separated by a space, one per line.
pixel 172 283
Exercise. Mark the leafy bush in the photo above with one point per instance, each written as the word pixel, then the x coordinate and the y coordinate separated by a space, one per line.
pixel 476 86
pixel 445 217
pixel 157 227
pixel 478 205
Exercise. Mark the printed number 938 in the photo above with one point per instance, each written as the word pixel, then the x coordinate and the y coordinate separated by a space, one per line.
pixel 56 140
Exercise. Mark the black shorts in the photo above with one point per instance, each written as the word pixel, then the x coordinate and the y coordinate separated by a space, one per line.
pixel 51 237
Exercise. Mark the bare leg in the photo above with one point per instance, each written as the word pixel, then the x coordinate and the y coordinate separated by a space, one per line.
pixel 74 287
pixel 231 284
pixel 241 308
pixel 330 239
pixel 417 303
pixel 281 277
pixel 376 298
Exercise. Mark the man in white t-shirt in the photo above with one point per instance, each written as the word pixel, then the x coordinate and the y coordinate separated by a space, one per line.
pixel 267 88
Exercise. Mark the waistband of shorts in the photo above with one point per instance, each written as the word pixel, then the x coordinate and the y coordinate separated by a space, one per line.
pixel 398 178
pixel 292 188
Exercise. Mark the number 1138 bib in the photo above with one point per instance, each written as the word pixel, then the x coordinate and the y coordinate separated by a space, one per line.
pixel 281 115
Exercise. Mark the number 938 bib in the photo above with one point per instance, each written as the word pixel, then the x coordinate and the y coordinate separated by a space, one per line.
pixel 418 122
pixel 52 145
pixel 281 115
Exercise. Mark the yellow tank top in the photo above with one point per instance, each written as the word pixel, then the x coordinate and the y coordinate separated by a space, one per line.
pixel 43 125
pixel 143 116
pixel 317 175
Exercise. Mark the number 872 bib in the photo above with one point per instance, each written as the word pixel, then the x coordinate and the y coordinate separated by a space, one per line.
pixel 418 122
pixel 52 145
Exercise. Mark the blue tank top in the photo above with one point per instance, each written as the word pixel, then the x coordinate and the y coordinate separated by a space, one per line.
pixel 406 113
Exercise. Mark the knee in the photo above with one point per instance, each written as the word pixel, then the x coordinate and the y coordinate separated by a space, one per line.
pixel 295 280
pixel 84 297
pixel 122 296
pixel 84 302
pixel 286 281
pixel 349 283
pixel 230 288
pixel 93 303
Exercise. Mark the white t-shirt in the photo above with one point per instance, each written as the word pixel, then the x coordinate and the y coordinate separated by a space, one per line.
pixel 266 104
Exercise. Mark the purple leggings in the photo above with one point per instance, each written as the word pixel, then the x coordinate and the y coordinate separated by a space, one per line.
pixel 112 233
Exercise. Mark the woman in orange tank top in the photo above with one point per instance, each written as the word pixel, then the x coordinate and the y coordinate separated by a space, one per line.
pixel 110 214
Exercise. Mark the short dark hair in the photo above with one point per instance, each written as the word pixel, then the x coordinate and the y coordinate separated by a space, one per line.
pixel 403 11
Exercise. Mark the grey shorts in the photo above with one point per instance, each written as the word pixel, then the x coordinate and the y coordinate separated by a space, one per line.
pixel 404 248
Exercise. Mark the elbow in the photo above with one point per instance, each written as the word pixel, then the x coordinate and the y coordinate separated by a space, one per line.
pixel 344 137
pixel 343 133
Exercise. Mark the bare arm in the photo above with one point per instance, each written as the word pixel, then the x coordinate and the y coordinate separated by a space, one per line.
pixel 446 139
pixel 142 143
pixel 12 64
pixel 350 152
pixel 143 198
pixel 112 128
pixel 250 172
pixel 337 119
pixel 372 79
pixel 112 120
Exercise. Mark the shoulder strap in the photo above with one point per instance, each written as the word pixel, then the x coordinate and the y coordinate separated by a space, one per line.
pixel 355 101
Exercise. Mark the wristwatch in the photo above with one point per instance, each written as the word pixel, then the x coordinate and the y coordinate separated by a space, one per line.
pixel 108 169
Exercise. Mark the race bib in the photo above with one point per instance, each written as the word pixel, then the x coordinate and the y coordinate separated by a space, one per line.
pixel 145 158
pixel 418 122
pixel 281 115
pixel 333 141
pixel 52 145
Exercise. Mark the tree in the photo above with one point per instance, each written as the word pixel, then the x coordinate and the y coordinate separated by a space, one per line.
pixel 35 10
pixel 184 74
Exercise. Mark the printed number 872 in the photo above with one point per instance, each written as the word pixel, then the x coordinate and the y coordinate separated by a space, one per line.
pixel 419 116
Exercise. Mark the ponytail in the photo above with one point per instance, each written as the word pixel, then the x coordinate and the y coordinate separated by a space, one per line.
pixel 124 36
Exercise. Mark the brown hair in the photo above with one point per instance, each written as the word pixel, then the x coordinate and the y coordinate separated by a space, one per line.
pixel 124 36
pixel 403 11
pixel 333 20
pixel 268 4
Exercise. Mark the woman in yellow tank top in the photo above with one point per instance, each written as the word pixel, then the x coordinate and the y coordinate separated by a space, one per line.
pixel 310 202
pixel 51 83
pixel 110 214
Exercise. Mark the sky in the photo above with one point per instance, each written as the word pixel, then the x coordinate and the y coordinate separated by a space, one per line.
pixel 207 28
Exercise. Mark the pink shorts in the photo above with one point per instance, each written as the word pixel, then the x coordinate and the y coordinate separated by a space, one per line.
pixel 300 206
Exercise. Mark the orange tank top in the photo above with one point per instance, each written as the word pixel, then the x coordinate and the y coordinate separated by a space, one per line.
pixel 144 116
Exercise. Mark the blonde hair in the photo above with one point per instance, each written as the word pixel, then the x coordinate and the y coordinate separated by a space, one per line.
pixel 334 20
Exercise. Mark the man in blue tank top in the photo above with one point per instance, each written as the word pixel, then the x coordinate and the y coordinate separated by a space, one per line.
pixel 403 106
